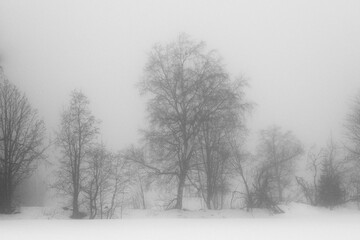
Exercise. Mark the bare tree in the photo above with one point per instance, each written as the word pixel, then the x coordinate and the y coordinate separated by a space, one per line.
pixel 213 140
pixel 352 127
pixel 209 174
pixel 310 188
pixel 78 130
pixel 144 174
pixel 21 141
pixel 239 163
pixel 97 174
pixel 262 194
pixel 278 152
pixel 184 82
pixel 107 177
pixel 218 143
pixel 140 179
pixel 120 181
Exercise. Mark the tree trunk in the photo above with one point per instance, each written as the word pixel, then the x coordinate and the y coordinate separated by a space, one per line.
pixel 280 192
pixel 180 191
pixel 6 206
pixel 75 204
pixel 208 201
pixel 142 193
pixel 279 187
pixel 209 196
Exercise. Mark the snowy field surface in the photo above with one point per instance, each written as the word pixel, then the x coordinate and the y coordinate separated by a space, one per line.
pixel 299 222
pixel 292 210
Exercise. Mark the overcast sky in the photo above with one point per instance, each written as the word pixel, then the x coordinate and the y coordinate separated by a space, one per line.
pixel 302 58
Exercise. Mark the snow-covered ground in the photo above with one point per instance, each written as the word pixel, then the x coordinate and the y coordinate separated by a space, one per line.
pixel 299 222
pixel 292 210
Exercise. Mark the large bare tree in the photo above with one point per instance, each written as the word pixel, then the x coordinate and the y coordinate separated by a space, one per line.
pixel 77 131
pixel 21 141
pixel 185 84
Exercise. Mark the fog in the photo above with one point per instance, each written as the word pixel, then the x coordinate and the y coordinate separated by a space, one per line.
pixel 301 58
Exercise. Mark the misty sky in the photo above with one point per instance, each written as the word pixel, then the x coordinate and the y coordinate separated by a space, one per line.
pixel 302 58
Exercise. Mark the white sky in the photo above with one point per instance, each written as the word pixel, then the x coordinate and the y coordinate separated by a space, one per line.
pixel 302 58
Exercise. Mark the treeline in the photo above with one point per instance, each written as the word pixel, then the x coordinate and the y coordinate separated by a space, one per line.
pixel 194 146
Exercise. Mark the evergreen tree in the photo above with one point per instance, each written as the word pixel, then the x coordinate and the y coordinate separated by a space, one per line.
pixel 330 192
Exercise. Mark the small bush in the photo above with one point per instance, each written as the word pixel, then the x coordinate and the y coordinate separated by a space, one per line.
pixel 79 215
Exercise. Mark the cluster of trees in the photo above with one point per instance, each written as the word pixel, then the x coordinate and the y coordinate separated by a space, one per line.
pixel 197 132
pixel 335 171
pixel 194 143
pixel 88 172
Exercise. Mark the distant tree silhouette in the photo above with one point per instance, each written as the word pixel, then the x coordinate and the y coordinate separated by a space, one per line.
pixel 277 151
pixel 310 189
pixel 240 163
pixel 330 188
pixel 106 177
pixel 352 127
